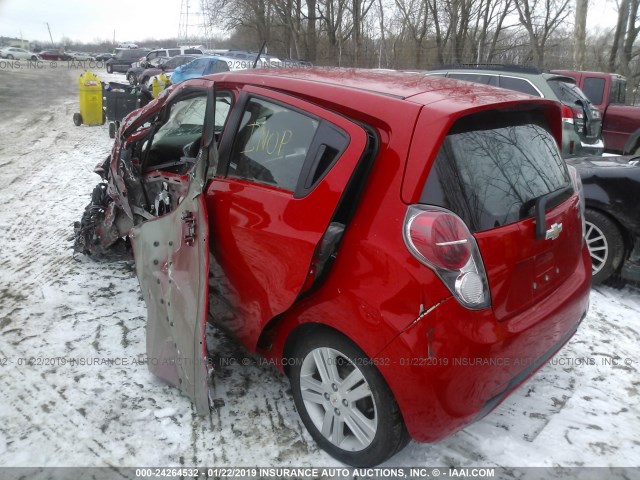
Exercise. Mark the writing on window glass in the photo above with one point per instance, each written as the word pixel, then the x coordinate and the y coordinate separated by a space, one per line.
pixel 268 140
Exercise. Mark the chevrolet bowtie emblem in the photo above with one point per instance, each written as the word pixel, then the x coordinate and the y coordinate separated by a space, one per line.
pixel 554 231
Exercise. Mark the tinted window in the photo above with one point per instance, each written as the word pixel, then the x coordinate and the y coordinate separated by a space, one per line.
pixel 567 92
pixel 217 66
pixel 593 88
pixel 489 177
pixel 475 77
pixel 177 61
pixel 196 65
pixel 271 144
pixel 174 51
pixel 519 85
pixel 618 91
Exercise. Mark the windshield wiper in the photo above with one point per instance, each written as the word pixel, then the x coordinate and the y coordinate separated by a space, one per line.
pixel 541 207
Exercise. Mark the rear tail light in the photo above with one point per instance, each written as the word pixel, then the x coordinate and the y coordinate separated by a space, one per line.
pixel 567 114
pixel 577 187
pixel 440 240
pixel 573 116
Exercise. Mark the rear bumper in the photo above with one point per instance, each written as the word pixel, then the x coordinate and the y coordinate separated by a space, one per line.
pixel 453 366
pixel 596 147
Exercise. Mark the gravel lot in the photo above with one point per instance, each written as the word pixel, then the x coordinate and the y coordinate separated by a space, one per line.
pixel 583 409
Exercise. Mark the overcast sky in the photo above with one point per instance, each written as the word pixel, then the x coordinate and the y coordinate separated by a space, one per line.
pixel 133 20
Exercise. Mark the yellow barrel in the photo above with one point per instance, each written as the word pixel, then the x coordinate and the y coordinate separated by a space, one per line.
pixel 165 80
pixel 156 87
pixel 90 91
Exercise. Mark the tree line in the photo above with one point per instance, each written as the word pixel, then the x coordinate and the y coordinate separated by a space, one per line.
pixel 419 34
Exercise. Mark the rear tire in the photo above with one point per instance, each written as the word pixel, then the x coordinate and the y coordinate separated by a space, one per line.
pixel 606 245
pixel 334 405
pixel 132 79
pixel 109 69
pixel 112 130
pixel 77 119
pixel 34 58
pixel 9 57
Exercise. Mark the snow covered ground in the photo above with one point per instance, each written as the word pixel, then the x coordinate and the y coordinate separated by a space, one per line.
pixel 583 409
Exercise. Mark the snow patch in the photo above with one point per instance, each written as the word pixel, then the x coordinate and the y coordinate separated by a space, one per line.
pixel 165 412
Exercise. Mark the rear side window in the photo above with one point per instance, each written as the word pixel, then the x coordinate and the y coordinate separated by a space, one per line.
pixel 491 167
pixel 217 66
pixel 173 52
pixel 519 85
pixel 476 78
pixel 567 92
pixel 272 144
pixel 593 88
pixel 618 91
pixel 196 65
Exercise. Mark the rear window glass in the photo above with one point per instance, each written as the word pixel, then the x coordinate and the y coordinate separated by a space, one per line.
pixel 593 88
pixel 491 176
pixel 567 92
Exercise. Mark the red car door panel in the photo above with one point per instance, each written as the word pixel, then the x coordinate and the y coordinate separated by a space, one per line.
pixel 263 236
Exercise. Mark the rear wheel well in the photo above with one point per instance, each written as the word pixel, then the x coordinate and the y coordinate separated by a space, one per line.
pixel 302 331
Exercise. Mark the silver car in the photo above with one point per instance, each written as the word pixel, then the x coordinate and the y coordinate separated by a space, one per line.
pixel 581 120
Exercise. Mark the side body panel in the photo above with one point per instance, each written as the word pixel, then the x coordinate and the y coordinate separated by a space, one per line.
pixel 265 238
pixel 620 121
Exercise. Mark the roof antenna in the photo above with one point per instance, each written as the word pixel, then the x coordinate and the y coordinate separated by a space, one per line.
pixel 255 62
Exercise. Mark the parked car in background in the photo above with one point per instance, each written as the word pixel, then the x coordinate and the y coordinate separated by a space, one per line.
pixel 53 54
pixel 199 67
pixel 611 188
pixel 581 120
pixel 620 122
pixel 164 65
pixel 124 58
pixel 154 57
pixel 367 232
pixel 101 57
pixel 80 56
pixel 11 53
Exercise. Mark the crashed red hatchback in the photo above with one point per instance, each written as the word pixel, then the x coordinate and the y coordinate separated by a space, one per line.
pixel 407 249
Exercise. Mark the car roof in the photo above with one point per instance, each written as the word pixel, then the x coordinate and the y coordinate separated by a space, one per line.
pixel 400 85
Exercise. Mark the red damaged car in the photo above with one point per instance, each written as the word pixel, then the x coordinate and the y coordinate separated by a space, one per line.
pixel 408 250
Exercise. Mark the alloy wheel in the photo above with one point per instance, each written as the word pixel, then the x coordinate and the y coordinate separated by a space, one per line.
pixel 598 247
pixel 338 399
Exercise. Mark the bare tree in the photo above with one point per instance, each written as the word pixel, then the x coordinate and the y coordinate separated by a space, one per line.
pixel 415 16
pixel 541 18
pixel 580 32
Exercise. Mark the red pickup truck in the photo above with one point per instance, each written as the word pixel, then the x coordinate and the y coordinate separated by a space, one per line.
pixel 620 122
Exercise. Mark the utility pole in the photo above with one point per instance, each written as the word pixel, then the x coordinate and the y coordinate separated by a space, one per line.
pixel 50 36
